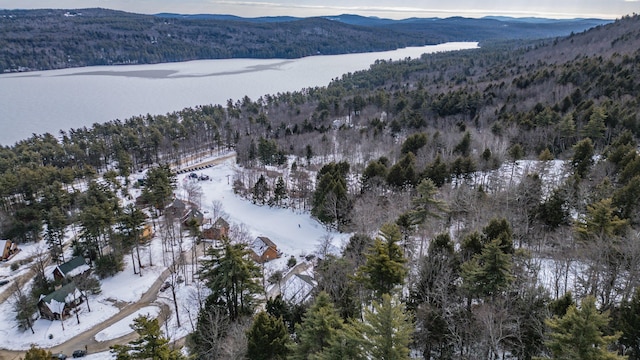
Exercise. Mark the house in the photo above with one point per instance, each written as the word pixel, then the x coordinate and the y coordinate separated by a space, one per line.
pixel 298 288
pixel 192 214
pixel 7 249
pixel 263 250
pixel 216 231
pixel 59 303
pixel 71 269
pixel 177 208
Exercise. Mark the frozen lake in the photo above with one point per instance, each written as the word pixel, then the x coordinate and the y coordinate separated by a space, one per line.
pixel 48 101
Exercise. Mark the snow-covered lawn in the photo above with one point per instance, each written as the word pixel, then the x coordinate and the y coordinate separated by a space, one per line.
pixel 123 327
pixel 294 234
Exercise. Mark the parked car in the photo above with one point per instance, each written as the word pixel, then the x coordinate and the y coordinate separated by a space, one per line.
pixel 4 282
pixel 79 353
pixel 165 286
pixel 204 177
pixel 193 175
pixel 59 356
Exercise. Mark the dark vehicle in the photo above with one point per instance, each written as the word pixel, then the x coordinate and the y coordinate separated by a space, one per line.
pixel 79 353
pixel 193 175
pixel 165 286
pixel 59 356
pixel 204 177
pixel 4 282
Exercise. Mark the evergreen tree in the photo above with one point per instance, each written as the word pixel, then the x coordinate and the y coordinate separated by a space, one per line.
pixel 267 338
pixel 36 353
pixel 321 325
pixel 579 334
pixel 629 324
pixel 385 265
pixel 489 273
pixel 232 277
pixel 159 185
pixel 331 203
pixel 386 330
pixel 279 193
pixel 150 345
pixel 260 191
pixel 582 157
pixel 424 204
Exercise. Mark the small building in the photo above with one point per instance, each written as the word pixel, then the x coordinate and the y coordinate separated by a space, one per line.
pixel 58 304
pixel 7 249
pixel 263 250
pixel 71 269
pixel 216 231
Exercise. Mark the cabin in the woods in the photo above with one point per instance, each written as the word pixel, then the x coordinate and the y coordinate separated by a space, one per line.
pixel 59 304
pixel 70 269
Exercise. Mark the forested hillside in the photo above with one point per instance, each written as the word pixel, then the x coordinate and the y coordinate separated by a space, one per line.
pixel 483 264
pixel 54 39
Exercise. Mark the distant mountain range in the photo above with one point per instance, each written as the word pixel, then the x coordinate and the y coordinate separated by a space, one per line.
pixel 53 38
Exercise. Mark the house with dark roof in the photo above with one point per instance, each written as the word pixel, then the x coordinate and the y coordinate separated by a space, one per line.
pixel 177 208
pixel 58 304
pixel 216 231
pixel 70 269
pixel 191 215
pixel 263 250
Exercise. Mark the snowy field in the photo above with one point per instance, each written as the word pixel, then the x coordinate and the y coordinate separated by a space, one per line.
pixel 294 234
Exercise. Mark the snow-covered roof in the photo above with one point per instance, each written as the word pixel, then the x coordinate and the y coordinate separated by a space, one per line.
pixel 298 288
pixel 73 267
pixel 261 244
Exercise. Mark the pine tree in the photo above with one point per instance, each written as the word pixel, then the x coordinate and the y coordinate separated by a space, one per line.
pixel 267 338
pixel 580 334
pixel 318 329
pixel 629 324
pixel 386 330
pixel 582 157
pixel 36 353
pixel 260 191
pixel 150 345
pixel 232 277
pixel 424 204
pixel 489 273
pixel 385 265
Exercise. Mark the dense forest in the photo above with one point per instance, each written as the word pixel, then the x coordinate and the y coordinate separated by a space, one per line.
pixel 445 260
pixel 54 39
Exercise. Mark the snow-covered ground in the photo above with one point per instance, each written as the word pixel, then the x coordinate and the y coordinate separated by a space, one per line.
pixel 294 234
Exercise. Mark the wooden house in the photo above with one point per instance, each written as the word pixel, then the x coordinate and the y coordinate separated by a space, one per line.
pixel 177 208
pixel 7 249
pixel 59 304
pixel 70 269
pixel 216 231
pixel 263 250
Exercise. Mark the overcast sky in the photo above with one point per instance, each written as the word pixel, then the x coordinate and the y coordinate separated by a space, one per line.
pixel 395 9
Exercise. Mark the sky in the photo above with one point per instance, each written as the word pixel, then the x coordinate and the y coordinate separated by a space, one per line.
pixel 393 9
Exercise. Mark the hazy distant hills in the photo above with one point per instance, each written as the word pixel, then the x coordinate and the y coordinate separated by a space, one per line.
pixel 52 39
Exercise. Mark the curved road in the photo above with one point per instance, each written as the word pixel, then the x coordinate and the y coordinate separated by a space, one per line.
pixel 149 298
